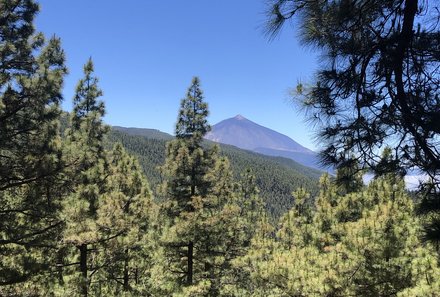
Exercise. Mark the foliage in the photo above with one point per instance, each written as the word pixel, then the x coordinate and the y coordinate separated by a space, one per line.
pixel 378 85
pixel 275 177
pixel 333 251
pixel 105 247
pixel 201 233
pixel 124 220
pixel 380 58
pixel 77 216
pixel 85 152
pixel 31 76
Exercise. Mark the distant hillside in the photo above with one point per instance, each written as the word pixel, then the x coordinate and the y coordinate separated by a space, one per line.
pixel 276 177
pixel 303 158
pixel 245 134
pixel 149 133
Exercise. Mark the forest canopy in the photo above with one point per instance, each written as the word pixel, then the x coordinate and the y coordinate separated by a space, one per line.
pixel 375 98
pixel 78 217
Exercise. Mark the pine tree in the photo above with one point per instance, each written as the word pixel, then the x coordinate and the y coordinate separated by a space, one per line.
pixel 254 239
pixel 381 62
pixel 31 77
pixel 89 169
pixel 199 210
pixel 192 123
pixel 364 243
pixel 251 205
pixel 124 222
pixel 349 175
pixel 384 242
pixel 184 169
pixel 295 227
pixel 378 61
pixel 253 267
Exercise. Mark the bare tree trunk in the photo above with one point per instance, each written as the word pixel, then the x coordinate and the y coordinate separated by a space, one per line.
pixel 83 268
pixel 189 279
pixel 126 285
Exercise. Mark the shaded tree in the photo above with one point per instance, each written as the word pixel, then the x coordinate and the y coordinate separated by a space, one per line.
pixel 124 220
pixel 379 82
pixel 85 154
pixel 31 77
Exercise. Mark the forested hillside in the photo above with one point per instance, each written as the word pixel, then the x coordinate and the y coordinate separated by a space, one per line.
pixel 276 177
pixel 78 216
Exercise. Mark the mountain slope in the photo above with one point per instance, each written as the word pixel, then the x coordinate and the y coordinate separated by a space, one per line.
pixel 276 177
pixel 306 159
pixel 149 133
pixel 245 134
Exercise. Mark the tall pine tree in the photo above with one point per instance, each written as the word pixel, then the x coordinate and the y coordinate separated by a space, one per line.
pixel 31 77
pixel 89 169
pixel 184 169
pixel 196 242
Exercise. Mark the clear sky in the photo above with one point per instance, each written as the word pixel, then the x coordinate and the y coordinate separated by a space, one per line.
pixel 147 51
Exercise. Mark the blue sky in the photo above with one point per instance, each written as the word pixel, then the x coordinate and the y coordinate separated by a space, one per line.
pixel 146 53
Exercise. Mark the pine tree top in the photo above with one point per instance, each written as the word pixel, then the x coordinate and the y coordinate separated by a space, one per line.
pixel 86 96
pixel 192 120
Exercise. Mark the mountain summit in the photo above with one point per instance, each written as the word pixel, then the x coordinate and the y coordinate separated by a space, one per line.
pixel 245 134
pixel 239 117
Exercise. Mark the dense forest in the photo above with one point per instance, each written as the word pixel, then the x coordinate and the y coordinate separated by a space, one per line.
pixel 79 217
pixel 275 177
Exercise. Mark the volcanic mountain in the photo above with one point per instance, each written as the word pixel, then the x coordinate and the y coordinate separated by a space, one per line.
pixel 245 134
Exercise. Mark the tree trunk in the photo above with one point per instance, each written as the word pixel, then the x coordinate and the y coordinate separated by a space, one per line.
pixel 83 268
pixel 60 261
pixel 126 285
pixel 189 279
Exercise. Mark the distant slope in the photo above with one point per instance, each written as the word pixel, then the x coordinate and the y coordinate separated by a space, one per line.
pixel 245 134
pixel 149 133
pixel 306 159
pixel 276 177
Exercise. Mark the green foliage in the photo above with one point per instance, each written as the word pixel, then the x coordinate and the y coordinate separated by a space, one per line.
pixel 84 151
pixel 366 48
pixel 86 95
pixel 363 243
pixel 377 86
pixel 124 220
pixel 200 235
pixel 31 77
pixel 209 220
pixel 147 133
pixel 77 216
pixel 349 176
pixel 275 177
pixel 106 246
pixel 192 120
